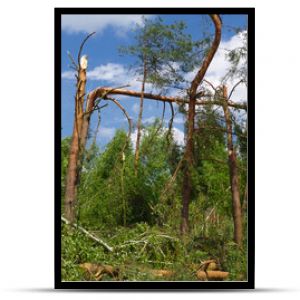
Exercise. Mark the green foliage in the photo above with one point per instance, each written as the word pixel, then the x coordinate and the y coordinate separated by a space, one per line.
pixel 211 173
pixel 111 193
pixel 238 59
pixel 142 248
pixel 235 260
pixel 167 51
pixel 151 212
pixel 77 248
pixel 139 215
pixel 100 194
pixel 65 146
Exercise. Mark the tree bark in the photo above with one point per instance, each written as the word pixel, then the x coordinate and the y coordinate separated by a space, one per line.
pixel 74 156
pixel 98 92
pixel 245 202
pixel 139 123
pixel 234 178
pixel 189 150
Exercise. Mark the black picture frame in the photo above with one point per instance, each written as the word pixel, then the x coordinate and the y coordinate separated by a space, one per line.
pixel 157 285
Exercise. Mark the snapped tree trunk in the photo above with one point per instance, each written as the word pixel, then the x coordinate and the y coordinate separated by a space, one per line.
pixel 139 123
pixel 74 155
pixel 189 149
pixel 234 177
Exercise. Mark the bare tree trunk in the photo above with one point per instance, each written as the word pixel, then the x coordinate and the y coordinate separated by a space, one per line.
pixel 245 202
pixel 139 122
pixel 74 156
pixel 234 180
pixel 189 150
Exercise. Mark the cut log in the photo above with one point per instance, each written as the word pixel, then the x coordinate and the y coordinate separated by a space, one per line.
pixel 96 271
pixel 162 273
pixel 211 275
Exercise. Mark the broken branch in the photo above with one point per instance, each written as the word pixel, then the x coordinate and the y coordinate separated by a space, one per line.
pixel 81 46
pixel 91 236
pixel 99 92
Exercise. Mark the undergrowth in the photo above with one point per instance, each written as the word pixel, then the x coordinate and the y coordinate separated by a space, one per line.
pixel 141 248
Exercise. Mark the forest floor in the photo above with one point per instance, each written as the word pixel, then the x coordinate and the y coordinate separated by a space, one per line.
pixel 149 253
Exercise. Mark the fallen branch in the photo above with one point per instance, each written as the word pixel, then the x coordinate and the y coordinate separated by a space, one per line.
pixel 99 92
pixel 94 238
pixel 145 240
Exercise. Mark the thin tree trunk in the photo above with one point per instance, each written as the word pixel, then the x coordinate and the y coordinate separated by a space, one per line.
pixel 245 202
pixel 139 122
pixel 189 150
pixel 188 164
pixel 234 180
pixel 74 156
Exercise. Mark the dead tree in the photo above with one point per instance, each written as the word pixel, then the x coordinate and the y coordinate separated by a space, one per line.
pixel 75 147
pixel 189 149
pixel 222 94
pixel 233 171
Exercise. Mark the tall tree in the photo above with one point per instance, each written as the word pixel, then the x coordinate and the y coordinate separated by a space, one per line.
pixel 234 176
pixel 163 53
pixel 189 150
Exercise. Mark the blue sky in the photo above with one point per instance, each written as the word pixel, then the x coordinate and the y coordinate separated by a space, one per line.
pixel 107 68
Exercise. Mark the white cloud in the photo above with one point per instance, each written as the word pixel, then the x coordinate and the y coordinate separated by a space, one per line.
pixel 149 120
pixel 90 23
pixel 219 67
pixel 220 64
pixel 179 120
pixel 133 137
pixel 178 136
pixel 107 132
pixel 135 108
pixel 68 75
pixel 112 74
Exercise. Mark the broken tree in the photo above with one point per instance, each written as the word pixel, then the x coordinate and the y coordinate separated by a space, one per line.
pixel 189 149
pixel 76 149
